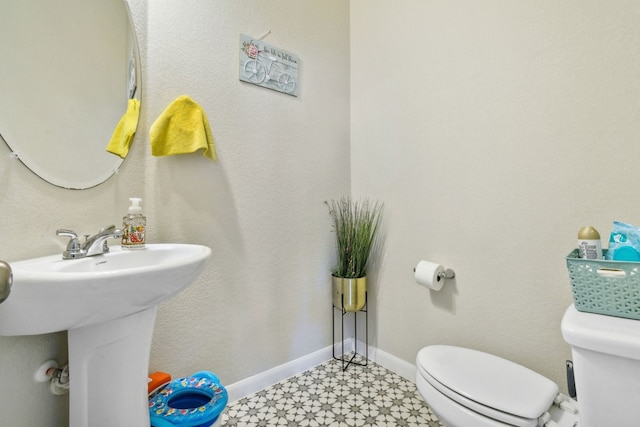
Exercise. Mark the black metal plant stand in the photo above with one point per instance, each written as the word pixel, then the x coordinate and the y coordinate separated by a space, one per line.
pixel 351 361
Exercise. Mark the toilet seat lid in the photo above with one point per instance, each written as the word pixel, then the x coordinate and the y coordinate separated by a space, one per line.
pixel 489 380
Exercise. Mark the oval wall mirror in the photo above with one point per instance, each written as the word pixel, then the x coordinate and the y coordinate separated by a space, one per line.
pixel 67 71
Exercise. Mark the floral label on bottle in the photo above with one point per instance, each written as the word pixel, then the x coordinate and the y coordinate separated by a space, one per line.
pixel 133 234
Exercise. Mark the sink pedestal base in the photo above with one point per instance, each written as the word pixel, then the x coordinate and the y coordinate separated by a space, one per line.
pixel 108 369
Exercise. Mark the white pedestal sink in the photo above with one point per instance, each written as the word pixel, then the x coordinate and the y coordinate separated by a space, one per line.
pixel 108 305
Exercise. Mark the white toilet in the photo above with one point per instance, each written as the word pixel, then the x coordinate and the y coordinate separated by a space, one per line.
pixel 469 388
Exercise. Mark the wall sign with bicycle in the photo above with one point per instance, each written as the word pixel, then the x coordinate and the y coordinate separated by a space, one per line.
pixel 268 66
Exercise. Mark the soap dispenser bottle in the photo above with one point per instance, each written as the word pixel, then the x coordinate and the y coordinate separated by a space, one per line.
pixel 134 226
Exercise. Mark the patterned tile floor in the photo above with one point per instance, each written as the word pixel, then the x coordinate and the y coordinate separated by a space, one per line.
pixel 327 396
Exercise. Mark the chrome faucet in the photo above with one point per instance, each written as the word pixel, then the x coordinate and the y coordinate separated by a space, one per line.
pixel 93 245
pixel 96 245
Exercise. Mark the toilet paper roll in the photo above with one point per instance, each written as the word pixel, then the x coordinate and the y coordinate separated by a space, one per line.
pixel 430 274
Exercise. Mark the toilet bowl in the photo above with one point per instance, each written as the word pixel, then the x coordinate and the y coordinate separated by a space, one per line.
pixel 194 401
pixel 466 387
pixel 469 388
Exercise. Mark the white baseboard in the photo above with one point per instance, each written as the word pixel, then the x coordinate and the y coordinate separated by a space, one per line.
pixel 269 377
pixel 387 360
pixel 401 367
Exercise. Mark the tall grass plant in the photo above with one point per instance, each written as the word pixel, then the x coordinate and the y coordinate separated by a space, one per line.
pixel 356 225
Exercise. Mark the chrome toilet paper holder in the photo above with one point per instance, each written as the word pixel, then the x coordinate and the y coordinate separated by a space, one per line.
pixel 446 274
pixel 432 275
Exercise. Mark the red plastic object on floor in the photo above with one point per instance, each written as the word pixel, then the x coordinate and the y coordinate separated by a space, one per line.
pixel 157 379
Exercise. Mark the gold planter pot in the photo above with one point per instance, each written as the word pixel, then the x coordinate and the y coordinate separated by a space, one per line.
pixel 354 292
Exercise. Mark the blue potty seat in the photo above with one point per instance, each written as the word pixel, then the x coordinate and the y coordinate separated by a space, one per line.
pixel 194 401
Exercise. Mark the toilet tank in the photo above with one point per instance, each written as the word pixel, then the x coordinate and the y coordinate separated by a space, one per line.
pixel 606 362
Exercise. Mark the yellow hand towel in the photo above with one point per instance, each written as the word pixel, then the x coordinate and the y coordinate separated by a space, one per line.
pixel 125 130
pixel 182 128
